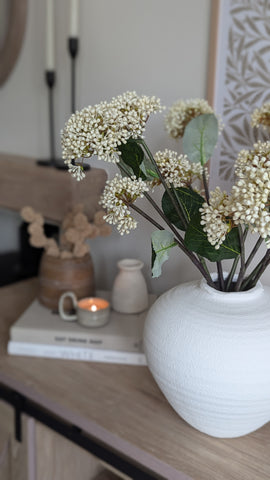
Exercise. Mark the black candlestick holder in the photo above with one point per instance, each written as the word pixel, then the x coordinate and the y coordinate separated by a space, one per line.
pixel 50 78
pixel 73 48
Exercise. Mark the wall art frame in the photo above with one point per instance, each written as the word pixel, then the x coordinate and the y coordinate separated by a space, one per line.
pixel 238 80
pixel 13 39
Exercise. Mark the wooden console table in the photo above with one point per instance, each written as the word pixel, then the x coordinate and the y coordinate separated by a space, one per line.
pixel 121 410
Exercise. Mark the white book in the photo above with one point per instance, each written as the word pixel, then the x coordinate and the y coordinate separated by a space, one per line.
pixel 39 325
pixel 75 353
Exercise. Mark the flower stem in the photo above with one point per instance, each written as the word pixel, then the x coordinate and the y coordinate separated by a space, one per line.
pixel 205 184
pixel 156 207
pixel 257 272
pixel 232 272
pixel 242 257
pixel 183 212
pixel 234 266
pixel 202 260
pixel 220 276
pixel 160 212
pixel 262 269
pixel 147 217
pixel 179 240
pixel 254 251
pixel 198 263
pixel 219 264
pixel 171 194
pixel 181 246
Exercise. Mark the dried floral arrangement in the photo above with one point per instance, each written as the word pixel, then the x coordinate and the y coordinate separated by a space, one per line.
pixel 75 229
pixel 206 226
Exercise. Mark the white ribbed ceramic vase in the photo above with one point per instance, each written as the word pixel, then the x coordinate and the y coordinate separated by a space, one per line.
pixel 209 352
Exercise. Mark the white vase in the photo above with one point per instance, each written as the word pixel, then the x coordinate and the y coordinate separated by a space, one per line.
pixel 209 352
pixel 129 292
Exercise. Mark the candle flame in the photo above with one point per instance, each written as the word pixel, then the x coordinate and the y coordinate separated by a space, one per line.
pixel 93 308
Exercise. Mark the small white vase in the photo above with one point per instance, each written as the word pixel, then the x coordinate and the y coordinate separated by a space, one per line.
pixel 209 352
pixel 129 292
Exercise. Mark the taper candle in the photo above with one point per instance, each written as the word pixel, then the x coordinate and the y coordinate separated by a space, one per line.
pixel 50 35
pixel 74 4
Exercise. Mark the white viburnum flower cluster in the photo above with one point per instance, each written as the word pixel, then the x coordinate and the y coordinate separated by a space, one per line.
pixel 213 217
pixel 251 193
pixel 119 193
pixel 261 116
pixel 101 129
pixel 76 171
pixel 177 169
pixel 182 112
pixel 249 201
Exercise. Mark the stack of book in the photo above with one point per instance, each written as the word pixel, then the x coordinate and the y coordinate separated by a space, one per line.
pixel 39 332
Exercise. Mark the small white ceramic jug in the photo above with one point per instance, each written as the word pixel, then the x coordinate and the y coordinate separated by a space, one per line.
pixel 129 293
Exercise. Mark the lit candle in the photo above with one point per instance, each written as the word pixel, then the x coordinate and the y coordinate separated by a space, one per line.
pixel 93 311
pixel 74 19
pixel 50 35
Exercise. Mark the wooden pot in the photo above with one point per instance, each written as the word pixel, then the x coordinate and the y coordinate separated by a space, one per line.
pixel 58 275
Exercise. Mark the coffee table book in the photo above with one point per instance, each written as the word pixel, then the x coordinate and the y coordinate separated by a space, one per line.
pixel 39 332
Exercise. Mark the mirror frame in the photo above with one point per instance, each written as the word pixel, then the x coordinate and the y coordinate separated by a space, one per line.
pixel 14 38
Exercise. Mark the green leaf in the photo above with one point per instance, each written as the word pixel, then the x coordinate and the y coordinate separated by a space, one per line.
pixel 147 169
pixel 127 171
pixel 190 201
pixel 200 138
pixel 132 155
pixel 162 242
pixel 196 241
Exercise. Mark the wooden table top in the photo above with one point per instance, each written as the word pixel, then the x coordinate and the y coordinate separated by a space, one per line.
pixel 122 406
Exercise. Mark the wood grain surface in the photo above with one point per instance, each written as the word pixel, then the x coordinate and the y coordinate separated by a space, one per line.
pixel 50 191
pixel 58 458
pixel 122 406
pixel 13 454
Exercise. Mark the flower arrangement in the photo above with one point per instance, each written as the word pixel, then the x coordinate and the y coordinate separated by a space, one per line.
pixel 206 226
pixel 75 229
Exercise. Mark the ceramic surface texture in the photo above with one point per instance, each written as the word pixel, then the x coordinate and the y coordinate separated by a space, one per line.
pixel 129 293
pixel 57 275
pixel 209 352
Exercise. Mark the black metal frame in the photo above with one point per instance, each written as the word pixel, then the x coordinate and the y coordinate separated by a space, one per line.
pixel 124 464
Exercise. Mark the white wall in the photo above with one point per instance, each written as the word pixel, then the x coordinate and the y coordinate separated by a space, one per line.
pixel 155 47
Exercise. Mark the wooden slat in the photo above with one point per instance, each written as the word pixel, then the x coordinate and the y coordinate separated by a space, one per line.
pixel 49 191
pixel 106 475
pixel 13 454
pixel 59 459
pixel 5 473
